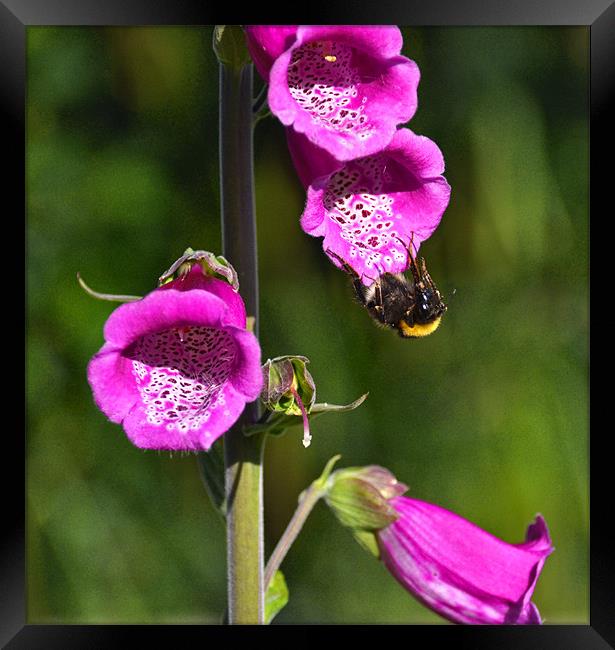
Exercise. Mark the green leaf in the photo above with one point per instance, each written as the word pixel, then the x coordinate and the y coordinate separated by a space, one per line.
pixel 276 596
pixel 211 466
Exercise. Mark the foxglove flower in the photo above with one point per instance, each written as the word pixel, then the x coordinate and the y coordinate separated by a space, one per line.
pixel 345 87
pixel 178 366
pixel 371 210
pixel 459 570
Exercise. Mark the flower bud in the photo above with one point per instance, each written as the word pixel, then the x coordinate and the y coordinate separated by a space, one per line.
pixel 359 497
pixel 230 46
pixel 285 379
pixel 289 388
pixel 212 265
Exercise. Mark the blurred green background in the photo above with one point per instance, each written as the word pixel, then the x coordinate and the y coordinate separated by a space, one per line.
pixel 487 417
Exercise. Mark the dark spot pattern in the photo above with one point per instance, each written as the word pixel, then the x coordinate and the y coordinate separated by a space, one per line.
pixel 323 81
pixel 180 374
pixel 356 202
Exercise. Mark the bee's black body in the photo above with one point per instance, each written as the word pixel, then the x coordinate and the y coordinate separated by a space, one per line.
pixel 413 306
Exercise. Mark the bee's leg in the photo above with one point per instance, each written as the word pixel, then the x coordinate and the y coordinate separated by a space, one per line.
pixel 357 283
pixel 345 266
pixel 379 306
pixel 410 248
pixel 373 297
pixel 416 274
pixel 409 316
pixel 379 302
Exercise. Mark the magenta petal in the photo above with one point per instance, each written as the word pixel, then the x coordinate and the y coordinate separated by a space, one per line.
pixel 220 417
pixel 247 370
pixel 235 307
pixel 459 570
pixel 345 87
pixel 162 310
pixel 370 209
pixel 114 390
pixel 384 39
pixel 266 43
pixel 310 161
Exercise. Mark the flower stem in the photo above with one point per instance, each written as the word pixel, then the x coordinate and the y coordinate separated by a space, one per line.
pixel 243 455
pixel 306 503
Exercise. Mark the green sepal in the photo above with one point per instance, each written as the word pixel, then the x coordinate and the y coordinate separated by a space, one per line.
pixel 358 504
pixel 216 266
pixel 279 423
pixel 368 541
pixel 380 478
pixel 276 596
pixel 211 466
pixel 324 407
pixel 111 297
pixel 322 480
pixel 229 43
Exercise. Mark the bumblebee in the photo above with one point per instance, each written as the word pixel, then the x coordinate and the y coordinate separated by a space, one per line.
pixel 411 306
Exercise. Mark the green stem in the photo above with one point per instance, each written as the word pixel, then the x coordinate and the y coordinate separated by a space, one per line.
pixel 308 500
pixel 243 455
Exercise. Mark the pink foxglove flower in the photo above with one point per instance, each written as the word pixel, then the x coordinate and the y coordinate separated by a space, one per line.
pixel 459 570
pixel 370 210
pixel 346 87
pixel 177 366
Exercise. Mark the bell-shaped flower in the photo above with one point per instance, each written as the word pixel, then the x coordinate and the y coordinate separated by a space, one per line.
pixel 177 366
pixel 346 87
pixel 452 566
pixel 460 571
pixel 372 210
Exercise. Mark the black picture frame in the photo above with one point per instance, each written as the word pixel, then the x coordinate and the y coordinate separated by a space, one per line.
pixel 16 15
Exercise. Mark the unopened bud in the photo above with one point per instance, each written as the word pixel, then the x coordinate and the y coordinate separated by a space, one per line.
pixel 288 387
pixel 214 265
pixel 230 46
pixel 284 379
pixel 359 497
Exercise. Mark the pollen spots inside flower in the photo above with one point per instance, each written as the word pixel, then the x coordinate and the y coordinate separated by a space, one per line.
pixel 357 202
pixel 323 82
pixel 180 374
